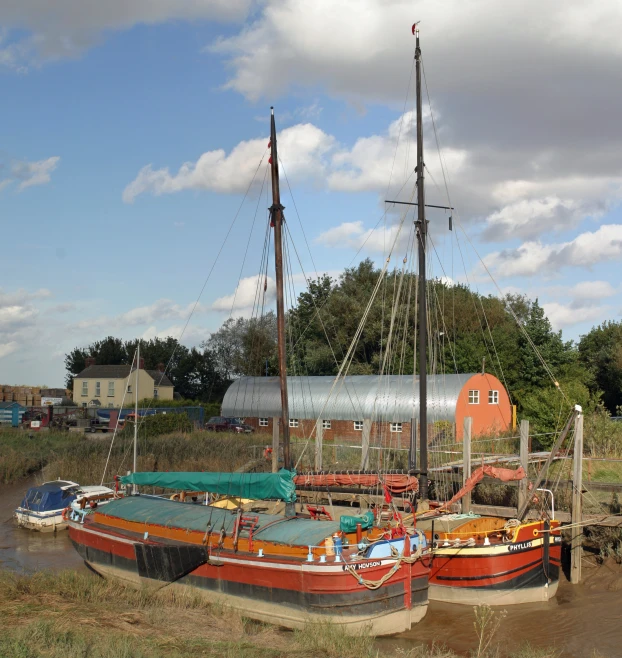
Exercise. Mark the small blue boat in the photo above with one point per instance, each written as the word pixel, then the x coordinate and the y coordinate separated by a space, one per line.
pixel 42 507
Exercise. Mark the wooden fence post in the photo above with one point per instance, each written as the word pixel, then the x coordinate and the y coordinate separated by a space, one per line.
pixel 275 444
pixel 524 462
pixel 365 444
pixel 319 440
pixel 576 548
pixel 466 462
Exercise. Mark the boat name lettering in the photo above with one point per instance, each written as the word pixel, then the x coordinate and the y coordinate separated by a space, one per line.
pixel 363 565
pixel 520 546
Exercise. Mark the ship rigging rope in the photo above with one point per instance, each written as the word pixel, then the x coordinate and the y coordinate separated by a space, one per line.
pixel 116 427
pixel 401 558
pixel 207 278
pixel 317 313
pixel 350 353
pixel 536 351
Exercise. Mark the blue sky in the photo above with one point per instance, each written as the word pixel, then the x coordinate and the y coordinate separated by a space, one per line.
pixel 103 233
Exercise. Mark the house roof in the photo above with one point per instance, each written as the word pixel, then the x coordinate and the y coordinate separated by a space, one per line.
pixel 390 398
pixel 8 405
pixel 159 378
pixel 121 372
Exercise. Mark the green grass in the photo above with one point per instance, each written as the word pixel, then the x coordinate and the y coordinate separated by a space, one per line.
pixel 69 614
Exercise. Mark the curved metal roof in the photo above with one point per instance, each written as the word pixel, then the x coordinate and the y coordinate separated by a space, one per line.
pixel 390 398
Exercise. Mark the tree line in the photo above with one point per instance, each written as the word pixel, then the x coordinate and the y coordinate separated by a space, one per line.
pixel 467 332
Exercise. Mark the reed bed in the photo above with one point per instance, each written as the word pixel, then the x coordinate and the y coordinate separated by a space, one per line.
pixel 76 457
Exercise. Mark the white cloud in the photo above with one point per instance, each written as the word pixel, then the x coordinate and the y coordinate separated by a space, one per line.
pixel 65 28
pixel 22 296
pixel 565 315
pixel 248 295
pixel 586 250
pixel 28 174
pixel 352 235
pixel 361 48
pixel 346 234
pixel 14 316
pixel 526 157
pixel 192 335
pixel 301 147
pixel 162 309
pixel 372 160
pixel 592 290
pixel 19 318
pixel 8 348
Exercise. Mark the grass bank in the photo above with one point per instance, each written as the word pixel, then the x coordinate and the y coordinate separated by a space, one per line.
pixel 68 614
pixel 73 456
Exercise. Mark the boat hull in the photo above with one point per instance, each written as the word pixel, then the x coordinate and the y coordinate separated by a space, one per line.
pixel 505 574
pixel 40 522
pixel 281 591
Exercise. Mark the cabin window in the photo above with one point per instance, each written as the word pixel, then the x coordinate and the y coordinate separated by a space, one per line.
pixel 358 425
pixel 493 397
pixel 98 389
pixel 263 422
pixel 396 427
pixel 85 389
pixel 473 397
pixel 110 389
pixel 326 424
pixel 293 422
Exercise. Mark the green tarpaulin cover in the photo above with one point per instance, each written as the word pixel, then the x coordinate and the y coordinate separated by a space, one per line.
pixel 258 486
pixel 348 523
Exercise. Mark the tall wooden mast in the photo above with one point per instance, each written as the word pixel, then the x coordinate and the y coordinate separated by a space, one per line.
pixel 276 220
pixel 422 233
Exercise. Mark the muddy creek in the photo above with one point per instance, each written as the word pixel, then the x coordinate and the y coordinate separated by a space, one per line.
pixel 581 619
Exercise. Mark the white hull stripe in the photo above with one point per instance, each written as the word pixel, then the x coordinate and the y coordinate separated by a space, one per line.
pixel 491 551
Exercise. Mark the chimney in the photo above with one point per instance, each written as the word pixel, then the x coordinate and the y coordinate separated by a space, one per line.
pixel 89 361
pixel 141 363
pixel 160 367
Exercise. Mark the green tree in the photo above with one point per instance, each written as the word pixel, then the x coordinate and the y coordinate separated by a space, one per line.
pixel 600 351
pixel 192 371
pixel 109 351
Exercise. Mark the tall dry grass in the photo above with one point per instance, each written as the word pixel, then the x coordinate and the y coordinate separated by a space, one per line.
pixel 76 457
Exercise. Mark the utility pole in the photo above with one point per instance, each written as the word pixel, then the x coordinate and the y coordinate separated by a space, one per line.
pixel 276 220
pixel 422 233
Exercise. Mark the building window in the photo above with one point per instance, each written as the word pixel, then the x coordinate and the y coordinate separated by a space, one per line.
pixel 111 405
pixel 129 388
pixel 493 397
pixel 110 389
pixel 85 389
pixel 98 389
pixel 396 427
pixel 326 424
pixel 473 397
pixel 263 422
pixel 358 425
pixel 293 422
pixel 155 393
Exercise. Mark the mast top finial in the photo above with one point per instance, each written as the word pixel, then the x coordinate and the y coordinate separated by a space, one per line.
pixel 271 109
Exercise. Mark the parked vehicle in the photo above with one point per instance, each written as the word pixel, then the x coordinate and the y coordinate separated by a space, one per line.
pixel 224 424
